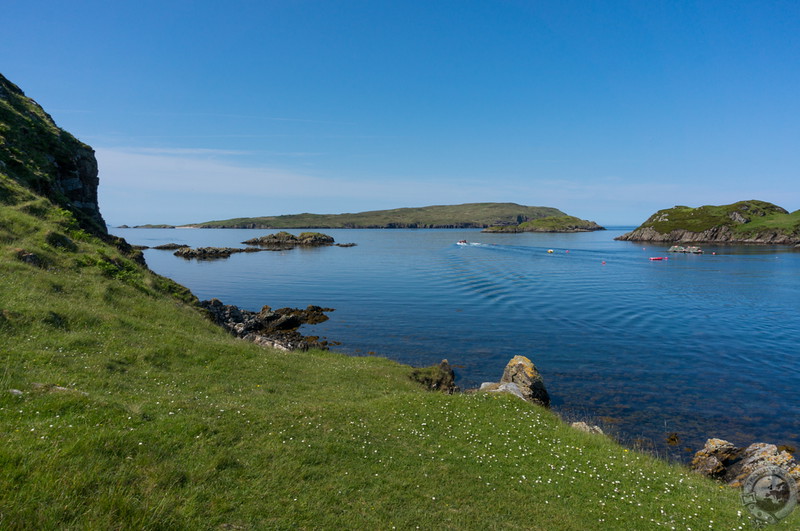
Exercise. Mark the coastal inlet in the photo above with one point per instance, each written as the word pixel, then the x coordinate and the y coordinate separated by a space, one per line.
pixel 700 345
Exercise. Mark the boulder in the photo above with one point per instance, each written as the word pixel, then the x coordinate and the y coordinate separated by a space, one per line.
pixel 521 371
pixel 722 460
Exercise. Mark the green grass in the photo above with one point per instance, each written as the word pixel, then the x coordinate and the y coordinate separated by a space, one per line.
pixel 169 423
pixel 471 215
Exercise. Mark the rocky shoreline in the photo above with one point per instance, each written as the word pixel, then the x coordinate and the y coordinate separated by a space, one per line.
pixel 722 235
pixel 269 328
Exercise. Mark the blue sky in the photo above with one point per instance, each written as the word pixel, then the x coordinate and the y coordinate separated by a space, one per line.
pixel 611 110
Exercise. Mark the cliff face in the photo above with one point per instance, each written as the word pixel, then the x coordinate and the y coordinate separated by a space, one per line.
pixel 38 154
pixel 752 221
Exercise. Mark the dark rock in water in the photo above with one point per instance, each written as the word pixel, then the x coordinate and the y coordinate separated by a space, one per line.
pixel 521 371
pixel 284 240
pixel 272 328
pixel 437 378
pixel 346 244
pixel 211 253
pixel 722 460
pixel 171 246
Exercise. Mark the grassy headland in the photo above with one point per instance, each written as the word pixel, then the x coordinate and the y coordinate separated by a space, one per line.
pixel 742 222
pixel 470 215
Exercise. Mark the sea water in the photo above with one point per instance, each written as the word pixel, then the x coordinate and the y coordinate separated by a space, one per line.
pixel 697 345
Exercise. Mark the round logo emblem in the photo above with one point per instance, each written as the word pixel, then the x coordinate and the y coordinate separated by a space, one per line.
pixel 770 494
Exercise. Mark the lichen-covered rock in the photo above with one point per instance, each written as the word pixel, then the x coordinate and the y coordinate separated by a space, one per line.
pixel 722 460
pixel 521 371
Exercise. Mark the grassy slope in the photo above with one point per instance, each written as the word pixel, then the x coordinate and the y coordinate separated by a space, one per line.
pixel 183 426
pixel 467 215
pixel 710 216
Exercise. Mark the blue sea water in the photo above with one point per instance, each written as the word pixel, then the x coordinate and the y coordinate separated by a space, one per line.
pixel 698 345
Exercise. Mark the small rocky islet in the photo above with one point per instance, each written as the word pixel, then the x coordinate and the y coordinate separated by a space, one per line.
pixel 281 241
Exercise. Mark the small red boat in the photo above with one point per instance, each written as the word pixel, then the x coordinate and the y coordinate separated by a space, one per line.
pixel 659 258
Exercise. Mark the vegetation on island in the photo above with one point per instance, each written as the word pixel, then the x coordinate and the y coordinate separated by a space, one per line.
pixel 151 226
pixel 122 406
pixel 742 222
pixel 470 215
pixel 550 224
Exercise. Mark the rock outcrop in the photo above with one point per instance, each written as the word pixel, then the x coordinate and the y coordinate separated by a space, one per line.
pixel 35 152
pixel 724 461
pixel 437 378
pixel 211 253
pixel 522 379
pixel 285 240
pixel 268 327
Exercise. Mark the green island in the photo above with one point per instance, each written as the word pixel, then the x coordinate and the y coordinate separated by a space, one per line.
pixel 151 226
pixel 757 222
pixel 549 224
pixel 122 406
pixel 466 216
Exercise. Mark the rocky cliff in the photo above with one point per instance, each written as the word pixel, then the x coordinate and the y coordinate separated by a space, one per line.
pixel 44 158
pixel 750 222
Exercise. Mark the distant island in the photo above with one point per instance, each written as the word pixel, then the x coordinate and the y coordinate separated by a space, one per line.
pixel 550 224
pixel 757 222
pixel 465 216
